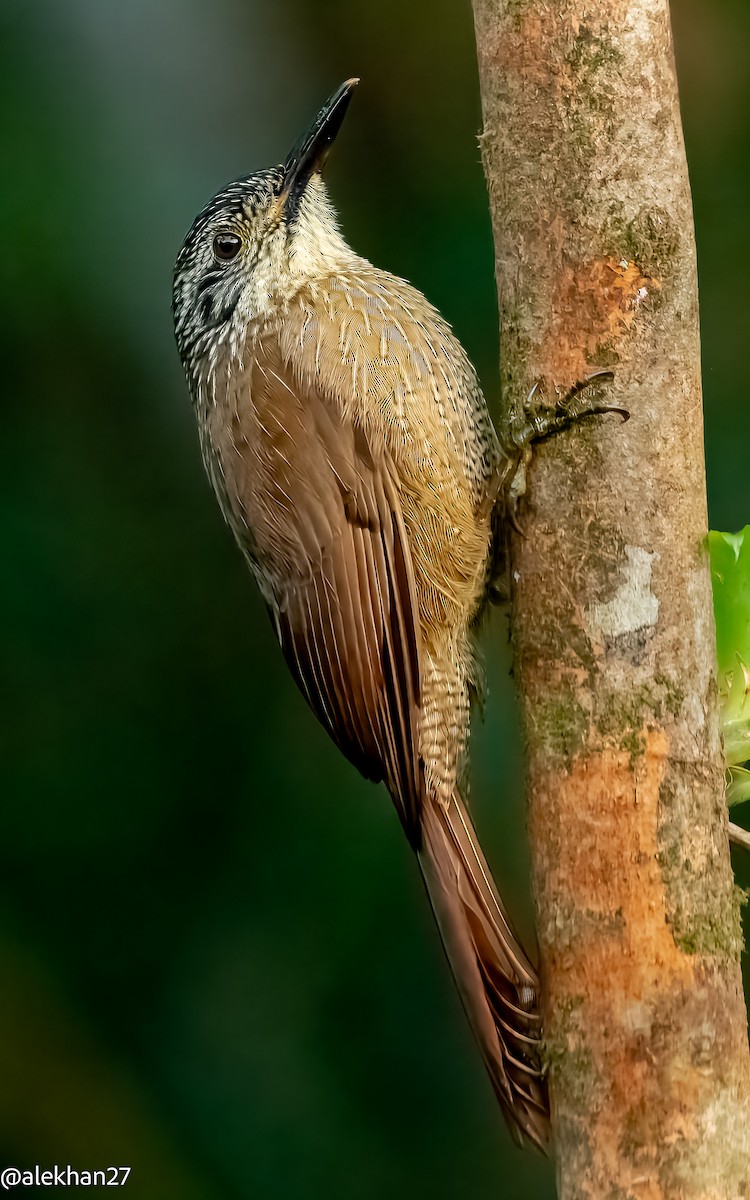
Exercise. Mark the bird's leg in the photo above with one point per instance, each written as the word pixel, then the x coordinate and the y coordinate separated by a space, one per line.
pixel 534 423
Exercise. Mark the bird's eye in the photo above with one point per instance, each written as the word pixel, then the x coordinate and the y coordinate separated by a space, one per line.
pixel 226 246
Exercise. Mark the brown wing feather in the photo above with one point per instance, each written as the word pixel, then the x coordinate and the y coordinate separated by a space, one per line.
pixel 337 572
pixel 498 985
pixel 318 513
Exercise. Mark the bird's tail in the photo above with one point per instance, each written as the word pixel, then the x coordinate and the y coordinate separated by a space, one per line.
pixel 499 986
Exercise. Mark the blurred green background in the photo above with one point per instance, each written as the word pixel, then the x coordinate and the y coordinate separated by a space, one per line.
pixel 217 963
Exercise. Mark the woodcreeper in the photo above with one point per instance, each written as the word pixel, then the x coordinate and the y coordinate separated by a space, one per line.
pixel 351 450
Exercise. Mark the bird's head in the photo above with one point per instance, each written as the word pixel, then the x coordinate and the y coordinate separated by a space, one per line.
pixel 259 240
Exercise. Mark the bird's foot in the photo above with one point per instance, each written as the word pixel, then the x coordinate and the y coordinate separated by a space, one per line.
pixel 533 423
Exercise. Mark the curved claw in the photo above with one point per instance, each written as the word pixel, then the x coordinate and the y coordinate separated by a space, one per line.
pixel 601 409
pixel 604 376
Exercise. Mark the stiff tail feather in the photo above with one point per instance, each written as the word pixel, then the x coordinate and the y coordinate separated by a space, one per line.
pixel 498 985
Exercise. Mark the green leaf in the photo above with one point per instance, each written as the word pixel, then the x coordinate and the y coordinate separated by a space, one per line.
pixel 738 788
pixel 730 576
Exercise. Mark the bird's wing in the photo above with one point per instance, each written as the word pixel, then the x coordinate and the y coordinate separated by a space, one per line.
pixel 331 536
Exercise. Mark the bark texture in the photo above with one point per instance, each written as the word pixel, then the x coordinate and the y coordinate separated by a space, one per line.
pixel 639 925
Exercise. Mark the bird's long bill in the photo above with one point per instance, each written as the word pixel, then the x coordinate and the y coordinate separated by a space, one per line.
pixel 311 150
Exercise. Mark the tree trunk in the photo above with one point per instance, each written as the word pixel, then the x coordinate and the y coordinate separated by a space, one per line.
pixel 638 914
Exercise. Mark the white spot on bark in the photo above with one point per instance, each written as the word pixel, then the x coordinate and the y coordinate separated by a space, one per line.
pixel 633 606
pixel 694 712
pixel 637 1018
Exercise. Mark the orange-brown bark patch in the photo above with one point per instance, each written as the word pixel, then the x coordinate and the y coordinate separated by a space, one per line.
pixel 592 305
pixel 612 961
pixel 607 864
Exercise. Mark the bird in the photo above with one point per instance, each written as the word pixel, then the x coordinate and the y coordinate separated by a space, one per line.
pixel 351 450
